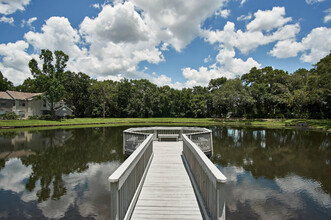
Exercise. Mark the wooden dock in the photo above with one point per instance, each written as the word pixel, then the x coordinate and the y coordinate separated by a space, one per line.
pixel 167 192
pixel 167 180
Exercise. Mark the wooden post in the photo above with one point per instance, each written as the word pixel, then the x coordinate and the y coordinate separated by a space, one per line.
pixel 114 201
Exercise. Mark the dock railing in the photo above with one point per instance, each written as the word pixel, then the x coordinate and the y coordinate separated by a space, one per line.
pixel 207 180
pixel 133 137
pixel 126 182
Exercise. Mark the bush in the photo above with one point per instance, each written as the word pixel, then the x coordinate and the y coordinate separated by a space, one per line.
pixel 69 116
pixel 33 117
pixel 9 116
pixel 45 117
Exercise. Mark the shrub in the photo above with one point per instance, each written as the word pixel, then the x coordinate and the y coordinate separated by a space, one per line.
pixel 69 116
pixel 33 117
pixel 45 117
pixel 9 116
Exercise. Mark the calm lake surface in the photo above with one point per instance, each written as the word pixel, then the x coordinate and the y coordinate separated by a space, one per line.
pixel 272 174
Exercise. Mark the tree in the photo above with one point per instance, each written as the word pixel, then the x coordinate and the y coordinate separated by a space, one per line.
pixel 232 97
pixel 77 92
pixel 48 79
pixel 103 98
pixel 5 84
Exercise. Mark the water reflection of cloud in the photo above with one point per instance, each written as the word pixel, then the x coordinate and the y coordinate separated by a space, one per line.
pixel 86 191
pixel 296 185
pixel 270 199
pixel 13 175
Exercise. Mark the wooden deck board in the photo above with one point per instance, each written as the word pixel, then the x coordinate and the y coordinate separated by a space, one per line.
pixel 167 192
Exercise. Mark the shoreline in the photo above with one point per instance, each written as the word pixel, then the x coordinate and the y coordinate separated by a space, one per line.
pixel 310 124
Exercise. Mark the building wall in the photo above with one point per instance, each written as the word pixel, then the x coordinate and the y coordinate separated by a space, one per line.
pixel 6 106
pixel 64 111
pixel 23 108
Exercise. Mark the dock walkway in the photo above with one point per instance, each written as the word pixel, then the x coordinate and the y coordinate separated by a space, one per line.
pixel 167 192
pixel 167 180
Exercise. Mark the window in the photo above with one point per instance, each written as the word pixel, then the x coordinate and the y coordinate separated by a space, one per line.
pixel 21 103
pixel 3 104
pixel 44 103
pixel 14 103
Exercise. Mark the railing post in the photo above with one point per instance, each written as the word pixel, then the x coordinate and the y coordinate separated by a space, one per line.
pixel 155 134
pixel 114 201
pixel 220 201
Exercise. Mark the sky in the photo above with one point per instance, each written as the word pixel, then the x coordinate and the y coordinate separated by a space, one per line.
pixel 180 43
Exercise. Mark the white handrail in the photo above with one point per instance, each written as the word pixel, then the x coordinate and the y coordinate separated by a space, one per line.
pixel 126 182
pixel 207 180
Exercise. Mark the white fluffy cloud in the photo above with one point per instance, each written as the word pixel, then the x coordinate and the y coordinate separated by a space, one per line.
pixel 57 34
pixel 11 6
pixel 266 27
pixel 118 24
pixel 8 20
pixel 15 61
pixel 317 44
pixel 286 48
pixel 314 46
pixel 119 39
pixel 177 22
pixel 268 20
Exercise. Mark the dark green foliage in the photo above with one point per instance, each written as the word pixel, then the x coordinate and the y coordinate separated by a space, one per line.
pixel 5 84
pixel 45 117
pixel 261 93
pixel 48 79
pixel 9 116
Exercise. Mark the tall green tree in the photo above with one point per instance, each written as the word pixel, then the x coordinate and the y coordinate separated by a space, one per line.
pixel 233 97
pixel 103 98
pixel 48 78
pixel 77 92
pixel 5 84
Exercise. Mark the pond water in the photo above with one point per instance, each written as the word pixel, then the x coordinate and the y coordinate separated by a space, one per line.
pixel 272 174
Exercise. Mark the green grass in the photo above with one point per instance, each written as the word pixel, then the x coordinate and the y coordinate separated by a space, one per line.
pixel 84 122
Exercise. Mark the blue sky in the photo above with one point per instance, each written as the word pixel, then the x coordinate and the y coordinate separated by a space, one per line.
pixel 178 43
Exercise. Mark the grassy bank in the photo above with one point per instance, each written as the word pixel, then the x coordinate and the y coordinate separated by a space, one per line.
pixel 83 122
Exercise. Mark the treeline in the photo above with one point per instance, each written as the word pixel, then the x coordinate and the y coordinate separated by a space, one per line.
pixel 261 93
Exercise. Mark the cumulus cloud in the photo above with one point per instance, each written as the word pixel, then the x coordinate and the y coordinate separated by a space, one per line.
pixel 8 7
pixel 57 34
pixel 327 17
pixel 8 20
pixel 177 22
pixel 268 20
pixel 316 45
pixel 15 61
pixel 286 48
pixel 266 27
pixel 117 24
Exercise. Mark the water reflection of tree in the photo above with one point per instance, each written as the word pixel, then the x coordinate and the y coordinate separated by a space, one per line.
pixel 275 153
pixel 85 146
